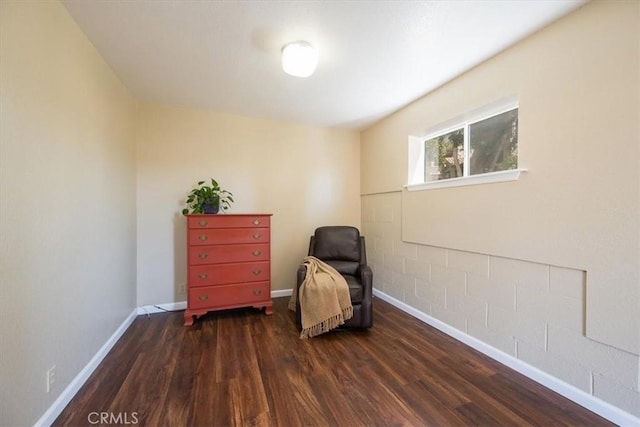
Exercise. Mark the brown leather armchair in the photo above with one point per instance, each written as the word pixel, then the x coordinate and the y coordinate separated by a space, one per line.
pixel 343 248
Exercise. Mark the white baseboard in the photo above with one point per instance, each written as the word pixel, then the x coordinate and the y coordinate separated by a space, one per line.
pixel 281 293
pixel 161 308
pixel 65 397
pixel 592 403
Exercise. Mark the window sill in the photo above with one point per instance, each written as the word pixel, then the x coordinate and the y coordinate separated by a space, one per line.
pixel 485 178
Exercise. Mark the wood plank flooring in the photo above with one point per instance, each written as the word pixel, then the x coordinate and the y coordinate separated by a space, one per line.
pixel 242 368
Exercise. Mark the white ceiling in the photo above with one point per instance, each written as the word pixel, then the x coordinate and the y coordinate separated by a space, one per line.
pixel 375 56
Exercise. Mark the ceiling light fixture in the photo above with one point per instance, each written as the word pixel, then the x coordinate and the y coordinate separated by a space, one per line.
pixel 299 59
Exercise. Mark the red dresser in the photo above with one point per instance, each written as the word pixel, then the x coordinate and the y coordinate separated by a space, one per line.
pixel 229 263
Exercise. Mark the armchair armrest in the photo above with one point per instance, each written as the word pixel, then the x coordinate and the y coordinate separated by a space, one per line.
pixel 300 275
pixel 366 277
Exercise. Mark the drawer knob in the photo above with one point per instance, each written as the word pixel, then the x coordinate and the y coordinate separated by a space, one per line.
pixel 256 236
pixel 203 237
pixel 257 271
pixel 256 222
pixel 257 291
pixel 203 255
pixel 203 275
pixel 203 222
pixel 256 252
pixel 203 297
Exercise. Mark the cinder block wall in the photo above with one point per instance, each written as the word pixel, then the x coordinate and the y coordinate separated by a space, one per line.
pixel 533 312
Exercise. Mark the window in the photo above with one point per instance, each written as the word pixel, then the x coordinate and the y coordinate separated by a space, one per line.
pixel 494 143
pixel 488 145
pixel 481 148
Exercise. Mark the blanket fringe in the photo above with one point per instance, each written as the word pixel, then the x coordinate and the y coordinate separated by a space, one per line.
pixel 328 324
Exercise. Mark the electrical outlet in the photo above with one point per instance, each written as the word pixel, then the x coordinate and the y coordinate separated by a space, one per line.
pixel 51 377
pixel 182 288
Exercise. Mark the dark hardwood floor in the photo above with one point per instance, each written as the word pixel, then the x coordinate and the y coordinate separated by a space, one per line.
pixel 240 367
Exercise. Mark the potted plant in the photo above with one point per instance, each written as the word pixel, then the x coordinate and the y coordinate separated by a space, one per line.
pixel 208 199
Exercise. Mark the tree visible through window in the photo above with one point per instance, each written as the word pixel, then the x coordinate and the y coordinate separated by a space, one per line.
pixel 494 143
pixel 488 145
pixel 445 156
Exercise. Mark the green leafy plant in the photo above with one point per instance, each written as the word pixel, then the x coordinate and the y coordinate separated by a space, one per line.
pixel 208 199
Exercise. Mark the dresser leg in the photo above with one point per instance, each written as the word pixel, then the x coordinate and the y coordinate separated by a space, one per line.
pixel 268 309
pixel 188 319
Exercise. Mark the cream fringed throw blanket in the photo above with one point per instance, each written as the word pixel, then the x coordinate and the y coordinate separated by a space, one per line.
pixel 324 299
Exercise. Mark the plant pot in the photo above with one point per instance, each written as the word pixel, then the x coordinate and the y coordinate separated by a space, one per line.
pixel 211 209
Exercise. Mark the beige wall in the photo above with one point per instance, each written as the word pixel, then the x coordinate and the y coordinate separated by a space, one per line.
pixel 67 205
pixel 305 176
pixel 576 209
pixel 578 204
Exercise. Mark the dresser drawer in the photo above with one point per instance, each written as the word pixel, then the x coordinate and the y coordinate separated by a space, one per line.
pixel 200 255
pixel 221 274
pixel 212 296
pixel 228 221
pixel 213 236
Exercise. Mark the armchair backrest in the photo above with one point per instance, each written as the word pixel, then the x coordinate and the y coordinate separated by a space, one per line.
pixel 340 246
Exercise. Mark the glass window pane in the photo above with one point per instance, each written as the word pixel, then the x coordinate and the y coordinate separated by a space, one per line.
pixel 494 143
pixel 444 156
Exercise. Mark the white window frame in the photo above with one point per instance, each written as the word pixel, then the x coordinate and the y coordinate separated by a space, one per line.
pixel 416 150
